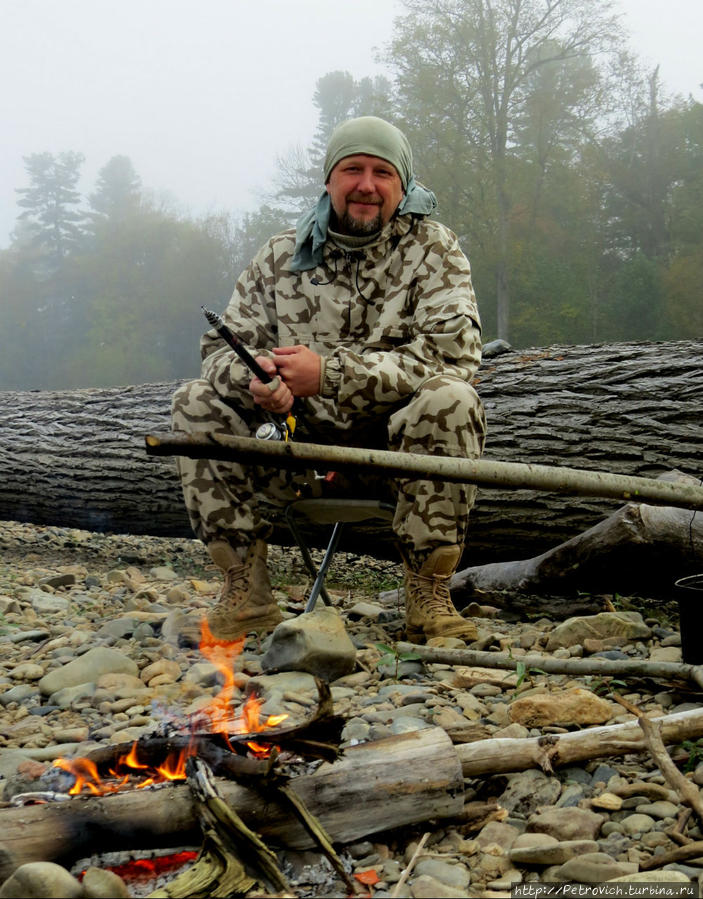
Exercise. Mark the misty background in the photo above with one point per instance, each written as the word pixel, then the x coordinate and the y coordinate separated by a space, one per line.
pixel 149 148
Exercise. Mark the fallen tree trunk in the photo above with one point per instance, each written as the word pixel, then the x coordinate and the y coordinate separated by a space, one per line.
pixel 638 547
pixel 374 787
pixel 77 457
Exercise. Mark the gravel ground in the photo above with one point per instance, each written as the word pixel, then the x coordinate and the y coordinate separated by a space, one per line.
pixel 65 590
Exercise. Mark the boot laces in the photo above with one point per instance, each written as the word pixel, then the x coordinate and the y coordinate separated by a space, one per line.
pixel 432 594
pixel 236 583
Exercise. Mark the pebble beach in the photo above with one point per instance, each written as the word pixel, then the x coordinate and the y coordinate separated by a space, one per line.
pixel 99 637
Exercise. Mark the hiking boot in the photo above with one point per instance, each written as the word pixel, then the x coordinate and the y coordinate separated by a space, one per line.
pixel 246 604
pixel 429 611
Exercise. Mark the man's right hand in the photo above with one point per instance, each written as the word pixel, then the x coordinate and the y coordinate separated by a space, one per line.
pixel 278 400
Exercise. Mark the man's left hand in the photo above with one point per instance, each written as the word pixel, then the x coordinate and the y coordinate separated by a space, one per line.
pixel 300 368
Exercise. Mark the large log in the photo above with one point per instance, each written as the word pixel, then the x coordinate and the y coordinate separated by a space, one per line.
pixel 77 457
pixel 377 786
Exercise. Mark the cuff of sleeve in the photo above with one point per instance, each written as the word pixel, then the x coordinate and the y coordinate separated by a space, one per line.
pixel 330 376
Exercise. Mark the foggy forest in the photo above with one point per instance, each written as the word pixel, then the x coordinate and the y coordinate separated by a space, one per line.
pixel 573 181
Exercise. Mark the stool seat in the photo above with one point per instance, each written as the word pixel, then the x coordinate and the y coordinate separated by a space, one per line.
pixel 336 512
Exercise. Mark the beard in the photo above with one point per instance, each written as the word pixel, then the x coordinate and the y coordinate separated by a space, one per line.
pixel 354 227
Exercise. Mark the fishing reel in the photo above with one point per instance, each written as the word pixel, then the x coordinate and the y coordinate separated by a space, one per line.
pixel 273 430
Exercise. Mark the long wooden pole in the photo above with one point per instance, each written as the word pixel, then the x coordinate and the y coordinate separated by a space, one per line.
pixel 483 472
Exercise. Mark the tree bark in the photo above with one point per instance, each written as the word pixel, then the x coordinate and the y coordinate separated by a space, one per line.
pixel 638 547
pixel 76 458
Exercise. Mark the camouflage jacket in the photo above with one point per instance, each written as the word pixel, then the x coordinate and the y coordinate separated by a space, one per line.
pixel 384 318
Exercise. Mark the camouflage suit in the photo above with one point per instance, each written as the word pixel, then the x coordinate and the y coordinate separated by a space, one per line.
pixel 398 330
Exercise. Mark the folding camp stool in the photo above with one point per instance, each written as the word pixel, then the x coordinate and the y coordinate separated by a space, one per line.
pixel 336 512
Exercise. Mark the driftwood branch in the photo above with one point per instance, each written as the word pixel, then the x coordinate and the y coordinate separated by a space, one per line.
pixel 551 665
pixel 503 755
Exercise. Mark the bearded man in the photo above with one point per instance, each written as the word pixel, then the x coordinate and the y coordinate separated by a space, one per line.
pixel 366 315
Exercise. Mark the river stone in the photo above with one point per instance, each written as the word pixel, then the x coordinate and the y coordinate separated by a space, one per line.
pixel 41 880
pixel 48 603
pixel 529 790
pixel 88 668
pixel 628 625
pixel 637 823
pixel 555 853
pixel 566 708
pixel 594 867
pixel 316 642
pixel 99 883
pixel 658 809
pixel 567 823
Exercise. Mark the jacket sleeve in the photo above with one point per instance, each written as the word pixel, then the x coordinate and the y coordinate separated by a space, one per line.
pixel 251 316
pixel 443 337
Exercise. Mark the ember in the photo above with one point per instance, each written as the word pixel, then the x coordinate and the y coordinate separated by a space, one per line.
pixel 218 717
pixel 151 868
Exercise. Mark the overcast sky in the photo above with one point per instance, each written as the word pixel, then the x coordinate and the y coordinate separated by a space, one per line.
pixel 203 95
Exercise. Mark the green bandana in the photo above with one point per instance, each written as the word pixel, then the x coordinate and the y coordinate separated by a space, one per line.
pixel 373 137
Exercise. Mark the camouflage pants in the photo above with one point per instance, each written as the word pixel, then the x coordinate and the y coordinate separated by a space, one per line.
pixel 227 501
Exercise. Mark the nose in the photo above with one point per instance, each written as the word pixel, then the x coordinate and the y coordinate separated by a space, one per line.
pixel 366 182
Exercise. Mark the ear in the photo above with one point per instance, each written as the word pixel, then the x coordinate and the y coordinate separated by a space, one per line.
pixel 327 187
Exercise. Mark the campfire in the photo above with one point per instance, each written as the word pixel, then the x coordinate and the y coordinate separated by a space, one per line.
pixel 135 770
pixel 215 774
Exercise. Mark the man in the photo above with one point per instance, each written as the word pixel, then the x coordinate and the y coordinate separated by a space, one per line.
pixel 367 317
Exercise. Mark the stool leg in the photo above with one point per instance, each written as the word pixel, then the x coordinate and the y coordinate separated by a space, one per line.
pixel 307 558
pixel 318 586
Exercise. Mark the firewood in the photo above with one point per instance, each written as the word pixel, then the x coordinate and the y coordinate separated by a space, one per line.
pixel 502 755
pixel 373 787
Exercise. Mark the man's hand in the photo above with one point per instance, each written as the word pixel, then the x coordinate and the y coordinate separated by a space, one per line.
pixel 280 400
pixel 300 368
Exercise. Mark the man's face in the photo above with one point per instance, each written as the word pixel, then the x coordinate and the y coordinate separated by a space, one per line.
pixel 365 192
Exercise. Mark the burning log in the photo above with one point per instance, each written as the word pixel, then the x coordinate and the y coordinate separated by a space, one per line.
pixel 373 787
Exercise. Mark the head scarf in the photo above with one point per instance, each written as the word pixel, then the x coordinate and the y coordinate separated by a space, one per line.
pixel 373 137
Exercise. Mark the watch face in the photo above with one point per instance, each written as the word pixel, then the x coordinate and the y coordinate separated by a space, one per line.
pixel 268 431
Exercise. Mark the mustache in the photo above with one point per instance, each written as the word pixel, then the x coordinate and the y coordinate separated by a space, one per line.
pixel 364 198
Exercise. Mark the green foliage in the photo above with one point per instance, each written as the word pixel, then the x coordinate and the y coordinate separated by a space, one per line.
pixel 694 750
pixel 49 201
pixel 390 659
pixel 577 195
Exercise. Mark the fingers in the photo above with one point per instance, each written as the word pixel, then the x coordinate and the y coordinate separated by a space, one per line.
pixel 278 401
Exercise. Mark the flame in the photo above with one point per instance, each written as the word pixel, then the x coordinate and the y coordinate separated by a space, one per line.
pixel 218 716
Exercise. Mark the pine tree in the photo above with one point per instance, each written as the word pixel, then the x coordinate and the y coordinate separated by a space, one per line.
pixel 50 202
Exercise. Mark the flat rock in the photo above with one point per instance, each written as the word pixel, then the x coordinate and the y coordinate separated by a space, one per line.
pixel 88 668
pixel 628 625
pixel 567 823
pixel 577 706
